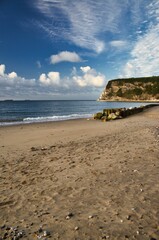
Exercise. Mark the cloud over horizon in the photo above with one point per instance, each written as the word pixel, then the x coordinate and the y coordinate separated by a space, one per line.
pixel 51 83
pixel 89 77
pixel 13 85
pixel 52 78
pixel 13 79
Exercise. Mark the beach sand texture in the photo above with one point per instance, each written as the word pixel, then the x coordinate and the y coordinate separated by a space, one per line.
pixel 81 180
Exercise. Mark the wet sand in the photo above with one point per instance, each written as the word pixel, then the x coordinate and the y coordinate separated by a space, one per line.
pixel 81 180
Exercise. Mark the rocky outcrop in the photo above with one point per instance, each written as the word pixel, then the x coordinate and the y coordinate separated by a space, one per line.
pixel 119 113
pixel 132 89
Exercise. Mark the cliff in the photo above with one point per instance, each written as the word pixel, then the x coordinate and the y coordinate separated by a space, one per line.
pixel 132 89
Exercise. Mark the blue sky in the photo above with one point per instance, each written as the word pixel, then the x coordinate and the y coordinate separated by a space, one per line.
pixel 69 49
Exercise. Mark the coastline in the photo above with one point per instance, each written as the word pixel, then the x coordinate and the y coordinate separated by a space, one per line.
pixel 124 100
pixel 105 174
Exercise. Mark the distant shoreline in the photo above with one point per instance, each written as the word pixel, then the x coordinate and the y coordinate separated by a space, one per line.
pixel 138 101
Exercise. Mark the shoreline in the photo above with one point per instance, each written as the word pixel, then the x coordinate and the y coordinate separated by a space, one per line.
pixel 43 122
pixel 80 179
pixel 89 116
pixel 137 101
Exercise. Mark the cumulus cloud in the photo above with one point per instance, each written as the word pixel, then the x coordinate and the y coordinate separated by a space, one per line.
pixel 2 69
pixel 52 85
pixel 13 79
pixel 52 78
pixel 14 86
pixel 89 77
pixel 85 69
pixel 65 56
pixel 12 75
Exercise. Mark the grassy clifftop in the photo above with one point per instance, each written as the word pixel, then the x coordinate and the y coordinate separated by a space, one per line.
pixel 132 89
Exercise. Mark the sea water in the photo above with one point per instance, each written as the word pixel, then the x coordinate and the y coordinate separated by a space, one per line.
pixel 22 112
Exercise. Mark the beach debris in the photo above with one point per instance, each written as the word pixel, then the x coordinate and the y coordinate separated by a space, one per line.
pixel 40 229
pixel 3 226
pixel 34 149
pixel 105 237
pixel 13 233
pixel 128 217
pixel 46 233
pixel 76 228
pixel 42 234
pixel 90 216
pixel 69 215
pixel 137 232
pixel 44 148
pixel 126 236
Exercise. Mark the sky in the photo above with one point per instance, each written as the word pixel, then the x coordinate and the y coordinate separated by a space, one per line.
pixel 70 49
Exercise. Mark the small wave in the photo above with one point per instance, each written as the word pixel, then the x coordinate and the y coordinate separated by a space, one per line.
pixel 56 118
pixel 44 119
pixel 10 123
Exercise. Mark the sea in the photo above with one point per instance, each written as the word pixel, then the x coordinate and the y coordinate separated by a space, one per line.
pixel 25 112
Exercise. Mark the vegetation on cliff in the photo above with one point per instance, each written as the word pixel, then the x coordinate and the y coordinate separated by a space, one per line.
pixel 135 89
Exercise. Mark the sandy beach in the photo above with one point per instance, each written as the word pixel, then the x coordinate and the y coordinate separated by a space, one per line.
pixel 81 179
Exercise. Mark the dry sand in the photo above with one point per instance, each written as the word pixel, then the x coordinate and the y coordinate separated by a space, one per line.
pixel 81 179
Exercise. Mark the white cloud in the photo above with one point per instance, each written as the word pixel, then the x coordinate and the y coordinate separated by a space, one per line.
pixel 2 69
pixel 65 56
pixel 85 69
pixel 12 75
pixel 89 77
pixel 13 79
pixel 51 85
pixel 52 78
pixel 144 60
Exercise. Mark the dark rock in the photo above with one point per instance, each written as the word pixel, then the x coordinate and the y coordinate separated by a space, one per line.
pixel 46 233
pixel 98 115
pixel 8 228
pixel 44 148
pixel 34 149
pixel 126 236
pixel 40 230
pixel 3 226
pixel 5 235
pixel 104 118
pixel 69 215
pixel 112 116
